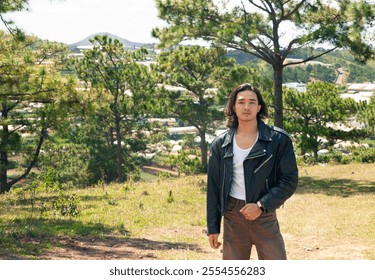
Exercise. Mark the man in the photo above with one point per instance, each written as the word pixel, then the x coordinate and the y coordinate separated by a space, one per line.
pixel 252 171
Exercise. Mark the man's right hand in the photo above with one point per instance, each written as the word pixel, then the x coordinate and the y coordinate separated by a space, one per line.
pixel 214 240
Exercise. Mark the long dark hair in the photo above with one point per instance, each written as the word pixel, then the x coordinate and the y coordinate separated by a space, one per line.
pixel 229 110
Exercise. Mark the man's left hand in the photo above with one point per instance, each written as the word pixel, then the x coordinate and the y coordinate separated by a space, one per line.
pixel 251 211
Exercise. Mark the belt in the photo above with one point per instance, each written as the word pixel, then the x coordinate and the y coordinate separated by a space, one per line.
pixel 237 201
pixel 241 203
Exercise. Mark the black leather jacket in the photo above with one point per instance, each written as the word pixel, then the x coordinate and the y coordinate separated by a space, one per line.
pixel 270 169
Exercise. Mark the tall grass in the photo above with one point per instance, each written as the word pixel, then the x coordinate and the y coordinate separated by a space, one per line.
pixel 333 204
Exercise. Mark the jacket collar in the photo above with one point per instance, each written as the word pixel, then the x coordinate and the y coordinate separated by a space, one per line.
pixel 264 134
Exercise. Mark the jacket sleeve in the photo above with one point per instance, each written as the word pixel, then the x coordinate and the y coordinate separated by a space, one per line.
pixel 213 190
pixel 286 175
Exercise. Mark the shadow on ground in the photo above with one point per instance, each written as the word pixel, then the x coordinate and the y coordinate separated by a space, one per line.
pixel 337 187
pixel 68 239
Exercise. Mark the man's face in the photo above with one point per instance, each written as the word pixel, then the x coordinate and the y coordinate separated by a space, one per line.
pixel 246 106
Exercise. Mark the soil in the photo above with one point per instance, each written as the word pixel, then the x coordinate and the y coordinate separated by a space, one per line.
pixel 112 248
pixel 156 169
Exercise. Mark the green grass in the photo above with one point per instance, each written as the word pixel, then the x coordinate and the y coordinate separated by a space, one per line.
pixel 334 205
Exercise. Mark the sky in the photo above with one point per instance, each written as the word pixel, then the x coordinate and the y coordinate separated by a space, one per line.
pixel 69 21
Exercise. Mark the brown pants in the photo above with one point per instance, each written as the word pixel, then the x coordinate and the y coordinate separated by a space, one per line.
pixel 241 234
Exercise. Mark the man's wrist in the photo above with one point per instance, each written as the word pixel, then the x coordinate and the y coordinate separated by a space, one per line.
pixel 261 207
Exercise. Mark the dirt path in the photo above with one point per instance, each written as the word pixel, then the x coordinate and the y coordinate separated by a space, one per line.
pixel 155 170
pixel 107 249
pixel 111 248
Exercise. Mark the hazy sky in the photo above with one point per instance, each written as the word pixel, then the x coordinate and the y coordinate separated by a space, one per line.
pixel 69 21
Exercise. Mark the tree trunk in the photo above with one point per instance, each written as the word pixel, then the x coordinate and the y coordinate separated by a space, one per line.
pixel 316 147
pixel 3 171
pixel 111 138
pixel 304 135
pixel 4 153
pixel 278 96
pixel 119 159
pixel 203 146
pixel 6 186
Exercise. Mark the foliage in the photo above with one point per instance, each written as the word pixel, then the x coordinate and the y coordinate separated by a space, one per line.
pixel 366 114
pixel 189 73
pixel 311 72
pixel 361 155
pixel 238 74
pixel 303 74
pixel 65 163
pixel 186 162
pixel 66 206
pixel 7 6
pixel 35 99
pixel 349 156
pixel 256 27
pixel 357 72
pixel 121 97
pixel 312 115
pixel 360 73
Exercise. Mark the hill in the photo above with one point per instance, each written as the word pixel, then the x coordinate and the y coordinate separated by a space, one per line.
pixel 358 73
pixel 86 42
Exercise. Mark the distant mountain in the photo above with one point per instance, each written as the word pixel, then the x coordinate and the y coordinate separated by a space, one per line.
pixel 86 43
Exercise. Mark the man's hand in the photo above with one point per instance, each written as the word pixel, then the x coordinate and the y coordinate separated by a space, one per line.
pixel 251 211
pixel 214 240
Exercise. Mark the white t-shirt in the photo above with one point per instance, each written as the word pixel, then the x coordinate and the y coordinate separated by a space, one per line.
pixel 238 181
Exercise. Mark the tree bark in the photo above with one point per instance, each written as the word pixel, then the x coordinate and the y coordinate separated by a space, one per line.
pixel 304 136
pixel 8 185
pixel 203 146
pixel 3 171
pixel 3 153
pixel 278 96
pixel 119 159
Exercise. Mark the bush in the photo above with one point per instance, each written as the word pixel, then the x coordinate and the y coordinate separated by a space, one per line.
pixel 66 205
pixel 64 163
pixel 185 164
pixel 355 154
pixel 363 155
pixel 306 160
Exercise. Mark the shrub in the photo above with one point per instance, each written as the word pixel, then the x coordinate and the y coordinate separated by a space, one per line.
pixel 65 164
pixel 354 154
pixel 363 155
pixel 185 164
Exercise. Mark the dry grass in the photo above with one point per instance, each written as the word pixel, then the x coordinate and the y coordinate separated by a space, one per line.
pixel 333 207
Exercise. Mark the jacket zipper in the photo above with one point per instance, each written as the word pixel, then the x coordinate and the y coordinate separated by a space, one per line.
pixel 256 156
pixel 260 166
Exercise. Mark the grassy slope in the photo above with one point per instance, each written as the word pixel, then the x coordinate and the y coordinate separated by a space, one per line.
pixel 334 206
